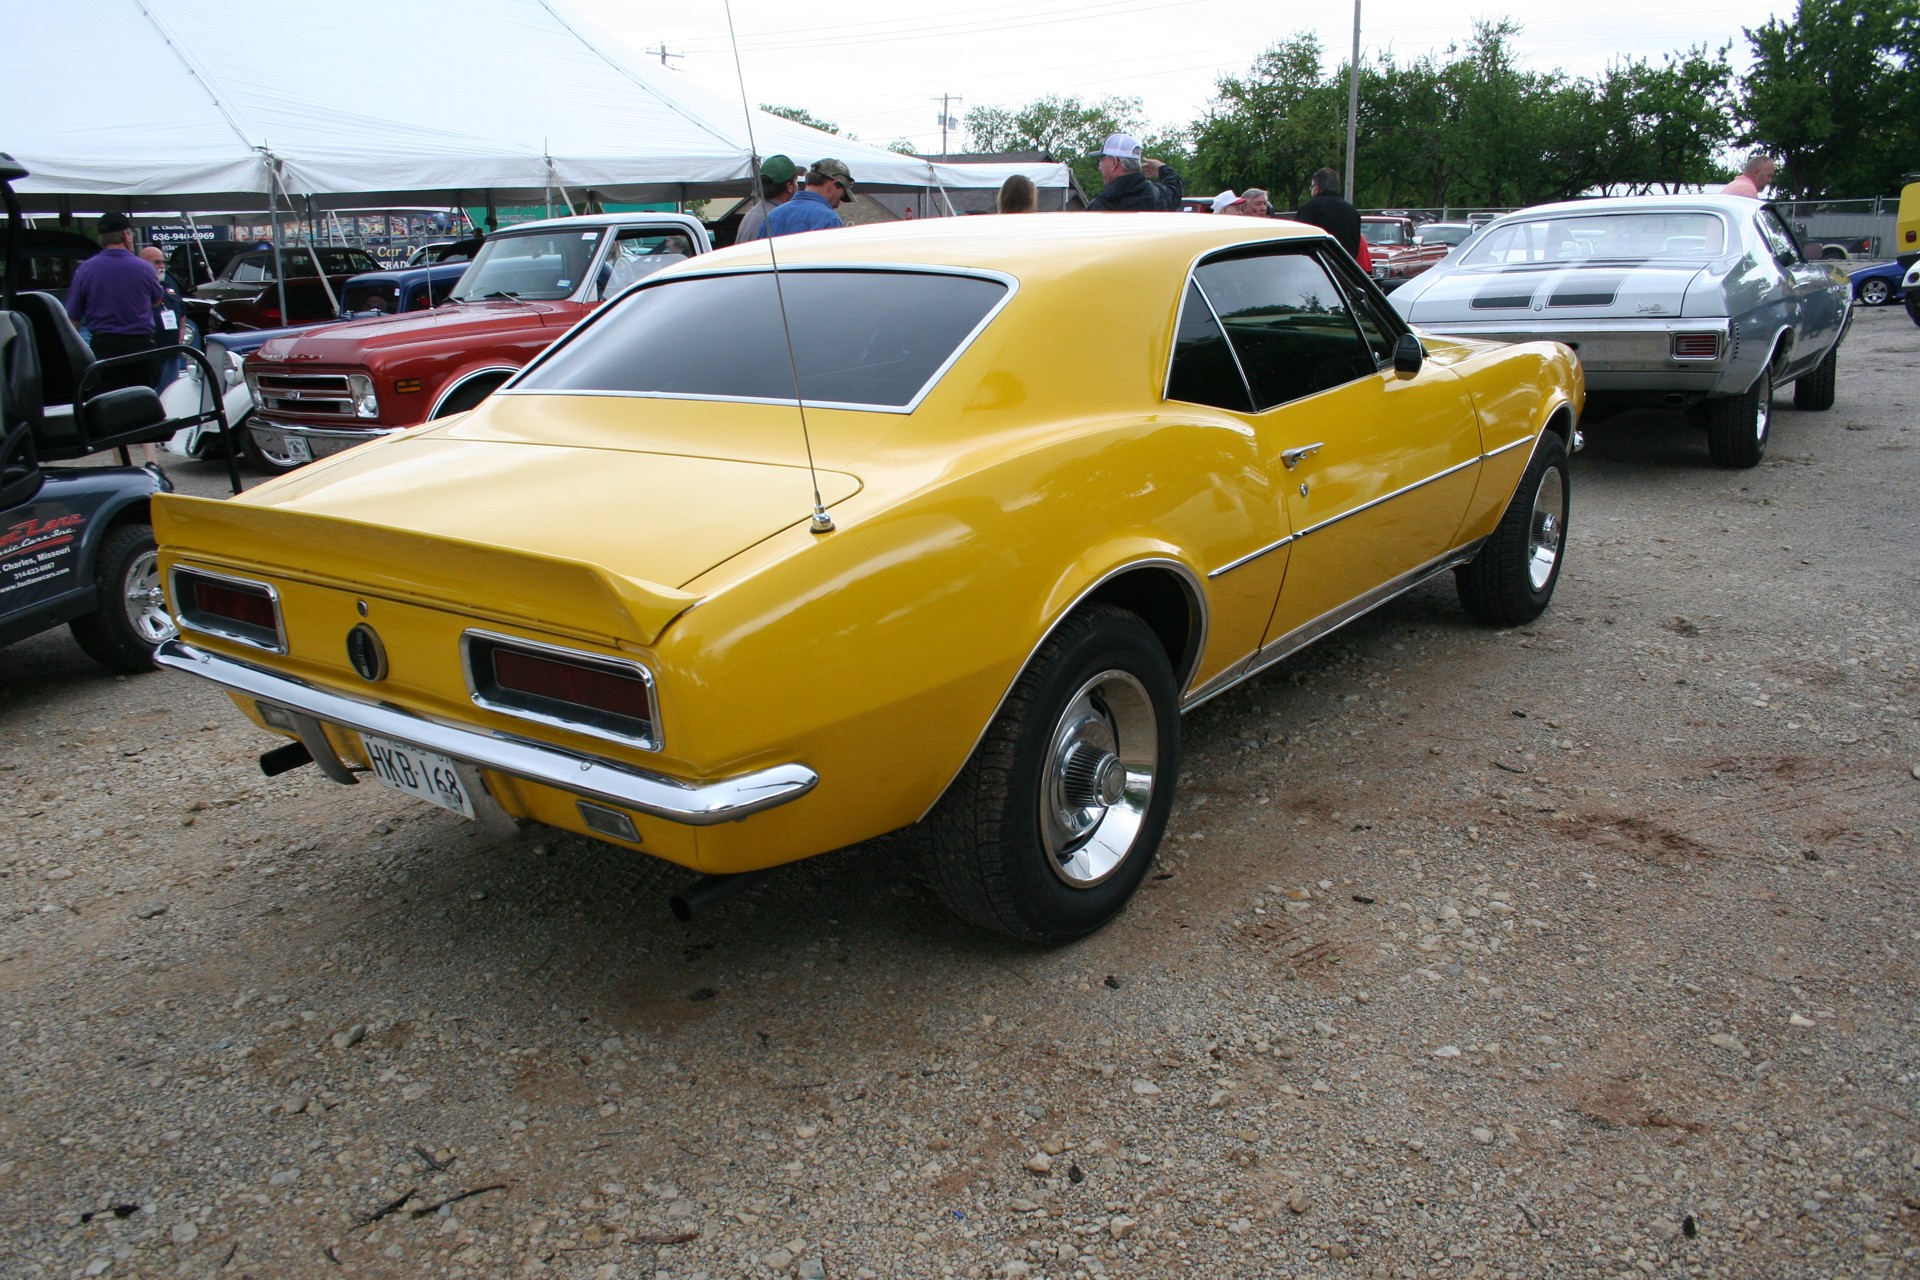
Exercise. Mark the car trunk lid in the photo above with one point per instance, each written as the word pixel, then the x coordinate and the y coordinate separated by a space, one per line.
pixel 1609 290
pixel 590 541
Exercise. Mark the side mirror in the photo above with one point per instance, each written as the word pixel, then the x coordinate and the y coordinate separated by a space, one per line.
pixel 1408 355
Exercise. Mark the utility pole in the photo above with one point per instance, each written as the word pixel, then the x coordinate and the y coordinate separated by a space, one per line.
pixel 946 120
pixel 1353 99
pixel 664 55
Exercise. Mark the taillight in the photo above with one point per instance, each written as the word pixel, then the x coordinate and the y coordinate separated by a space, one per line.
pixel 1696 346
pixel 231 607
pixel 606 697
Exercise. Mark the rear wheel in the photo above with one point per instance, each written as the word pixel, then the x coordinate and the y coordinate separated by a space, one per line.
pixel 1512 578
pixel 1054 821
pixel 131 617
pixel 1815 390
pixel 1737 426
pixel 1876 292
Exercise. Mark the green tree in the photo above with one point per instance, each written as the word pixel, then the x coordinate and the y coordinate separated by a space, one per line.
pixel 1273 126
pixel 1835 94
pixel 800 115
pixel 1066 128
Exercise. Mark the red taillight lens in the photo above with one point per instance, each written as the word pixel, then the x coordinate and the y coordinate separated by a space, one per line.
pixel 591 688
pixel 221 606
pixel 607 697
pixel 1696 346
pixel 233 603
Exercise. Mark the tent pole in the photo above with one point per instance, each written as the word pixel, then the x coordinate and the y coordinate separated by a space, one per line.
pixel 273 210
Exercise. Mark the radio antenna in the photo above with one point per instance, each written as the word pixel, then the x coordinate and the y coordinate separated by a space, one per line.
pixel 822 522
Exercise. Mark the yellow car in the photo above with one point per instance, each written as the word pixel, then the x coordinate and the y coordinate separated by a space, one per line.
pixel 938 525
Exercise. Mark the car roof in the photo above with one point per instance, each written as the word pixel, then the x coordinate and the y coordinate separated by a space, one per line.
pixel 600 220
pixel 1736 206
pixel 1028 246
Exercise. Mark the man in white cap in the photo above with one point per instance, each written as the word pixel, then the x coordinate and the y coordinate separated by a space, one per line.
pixel 1135 184
pixel 1228 202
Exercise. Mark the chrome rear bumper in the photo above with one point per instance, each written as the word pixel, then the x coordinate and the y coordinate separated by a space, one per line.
pixel 305 707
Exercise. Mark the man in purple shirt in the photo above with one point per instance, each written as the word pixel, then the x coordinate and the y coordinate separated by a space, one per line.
pixel 828 183
pixel 117 298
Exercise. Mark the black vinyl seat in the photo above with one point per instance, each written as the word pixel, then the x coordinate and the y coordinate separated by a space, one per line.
pixel 20 409
pixel 75 421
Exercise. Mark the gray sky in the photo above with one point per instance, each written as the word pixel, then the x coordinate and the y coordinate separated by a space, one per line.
pixel 878 69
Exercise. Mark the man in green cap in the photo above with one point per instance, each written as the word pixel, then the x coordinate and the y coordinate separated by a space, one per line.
pixel 816 208
pixel 779 179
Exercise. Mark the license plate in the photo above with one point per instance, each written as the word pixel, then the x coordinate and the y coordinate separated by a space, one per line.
pixel 426 774
pixel 297 449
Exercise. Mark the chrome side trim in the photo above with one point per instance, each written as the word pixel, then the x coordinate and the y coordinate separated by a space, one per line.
pixel 1368 505
pixel 1401 492
pixel 579 775
pixel 1250 557
pixel 1302 636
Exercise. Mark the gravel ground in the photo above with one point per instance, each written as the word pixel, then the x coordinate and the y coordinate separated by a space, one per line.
pixel 1580 949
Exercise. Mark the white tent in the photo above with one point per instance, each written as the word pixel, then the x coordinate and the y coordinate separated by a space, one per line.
pixel 159 106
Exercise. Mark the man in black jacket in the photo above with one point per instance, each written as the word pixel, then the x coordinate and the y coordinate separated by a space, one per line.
pixel 1135 185
pixel 1331 212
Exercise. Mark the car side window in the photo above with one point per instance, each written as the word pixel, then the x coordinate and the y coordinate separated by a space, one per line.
pixel 638 253
pixel 1290 325
pixel 1204 369
pixel 1376 327
pixel 1778 238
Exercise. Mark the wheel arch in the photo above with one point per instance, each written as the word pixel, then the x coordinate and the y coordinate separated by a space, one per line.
pixel 496 373
pixel 1163 592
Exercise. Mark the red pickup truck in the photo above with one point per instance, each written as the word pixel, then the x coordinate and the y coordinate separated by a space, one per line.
pixel 1397 255
pixel 324 390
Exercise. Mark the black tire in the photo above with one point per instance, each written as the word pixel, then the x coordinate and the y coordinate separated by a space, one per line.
pixel 131 619
pixel 1737 426
pixel 1814 390
pixel 258 455
pixel 1876 292
pixel 1512 578
pixel 1913 308
pixel 469 396
pixel 1051 826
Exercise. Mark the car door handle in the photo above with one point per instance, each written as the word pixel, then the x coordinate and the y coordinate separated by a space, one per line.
pixel 1291 457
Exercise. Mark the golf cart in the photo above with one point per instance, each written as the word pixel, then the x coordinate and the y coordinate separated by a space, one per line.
pixel 76 542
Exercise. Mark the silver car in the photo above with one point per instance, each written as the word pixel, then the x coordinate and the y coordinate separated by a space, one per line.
pixel 1698 302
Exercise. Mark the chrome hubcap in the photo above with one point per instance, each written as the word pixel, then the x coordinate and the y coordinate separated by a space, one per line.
pixel 1098 778
pixel 1545 530
pixel 146 603
pixel 1763 412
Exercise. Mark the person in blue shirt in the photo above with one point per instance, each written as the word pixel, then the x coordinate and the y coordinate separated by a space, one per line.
pixel 814 209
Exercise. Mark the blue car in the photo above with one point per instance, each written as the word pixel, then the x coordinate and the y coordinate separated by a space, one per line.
pixel 1878 285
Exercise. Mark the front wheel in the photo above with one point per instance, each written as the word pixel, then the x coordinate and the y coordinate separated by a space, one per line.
pixel 1876 292
pixel 1054 821
pixel 1737 426
pixel 131 618
pixel 1512 578
pixel 1815 390
pixel 271 457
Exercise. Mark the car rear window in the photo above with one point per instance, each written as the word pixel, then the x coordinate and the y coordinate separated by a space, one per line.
pixel 1605 237
pixel 867 339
